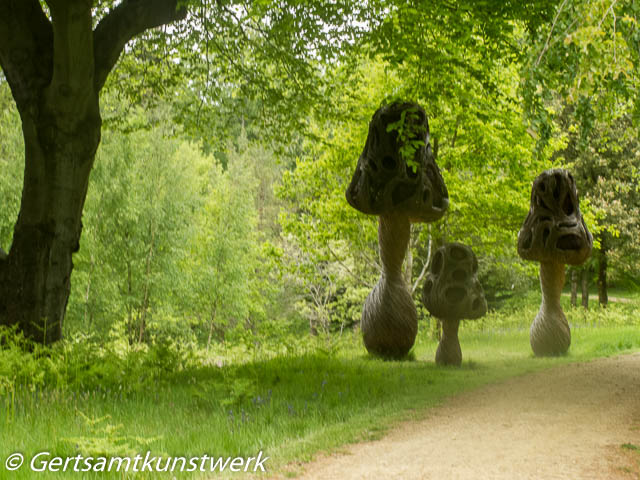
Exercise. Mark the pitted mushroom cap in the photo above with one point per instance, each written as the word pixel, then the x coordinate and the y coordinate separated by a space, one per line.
pixel 383 182
pixel 554 229
pixel 451 290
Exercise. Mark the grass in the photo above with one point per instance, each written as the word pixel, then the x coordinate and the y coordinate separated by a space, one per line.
pixel 289 406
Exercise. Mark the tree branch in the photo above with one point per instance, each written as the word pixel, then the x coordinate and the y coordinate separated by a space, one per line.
pixel 124 22
pixel 26 49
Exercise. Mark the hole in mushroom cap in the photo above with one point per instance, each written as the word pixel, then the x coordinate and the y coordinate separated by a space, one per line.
pixel 436 263
pixel 428 286
pixel 373 165
pixel 402 191
pixel 545 235
pixel 458 253
pixel 438 201
pixel 543 219
pixel 459 275
pixel 543 187
pixel 411 173
pixel 569 242
pixel 477 303
pixel 527 240
pixel 454 294
pixel 431 174
pixel 426 195
pixel 541 202
pixel 567 205
pixel 388 162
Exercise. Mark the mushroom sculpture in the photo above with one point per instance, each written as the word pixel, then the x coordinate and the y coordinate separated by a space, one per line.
pixel 397 179
pixel 554 234
pixel 452 293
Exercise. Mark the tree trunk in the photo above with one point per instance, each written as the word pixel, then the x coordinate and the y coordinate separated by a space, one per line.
pixel 574 287
pixel 35 278
pixel 603 297
pixel 147 285
pixel 212 322
pixel 56 65
pixel 586 272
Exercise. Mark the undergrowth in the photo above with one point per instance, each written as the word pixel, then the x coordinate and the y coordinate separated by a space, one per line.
pixel 287 396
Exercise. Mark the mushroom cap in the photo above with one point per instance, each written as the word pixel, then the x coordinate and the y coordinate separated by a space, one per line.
pixel 383 182
pixel 451 290
pixel 554 230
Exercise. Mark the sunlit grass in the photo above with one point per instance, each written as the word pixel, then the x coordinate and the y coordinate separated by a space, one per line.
pixel 288 406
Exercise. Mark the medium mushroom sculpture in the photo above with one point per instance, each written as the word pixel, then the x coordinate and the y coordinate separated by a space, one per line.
pixel 554 234
pixel 452 293
pixel 397 179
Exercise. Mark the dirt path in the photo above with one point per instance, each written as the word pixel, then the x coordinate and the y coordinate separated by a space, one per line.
pixel 566 423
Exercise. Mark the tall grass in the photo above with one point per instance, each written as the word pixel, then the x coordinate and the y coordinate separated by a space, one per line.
pixel 291 398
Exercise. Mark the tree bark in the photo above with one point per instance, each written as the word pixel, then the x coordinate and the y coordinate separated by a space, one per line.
pixel 586 272
pixel 55 71
pixel 574 287
pixel 603 296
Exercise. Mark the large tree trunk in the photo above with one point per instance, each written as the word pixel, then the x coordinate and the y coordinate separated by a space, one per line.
pixel 35 278
pixel 56 69
pixel 603 297
pixel 61 128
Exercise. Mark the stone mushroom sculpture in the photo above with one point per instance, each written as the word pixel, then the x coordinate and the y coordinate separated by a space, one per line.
pixel 398 192
pixel 451 293
pixel 554 234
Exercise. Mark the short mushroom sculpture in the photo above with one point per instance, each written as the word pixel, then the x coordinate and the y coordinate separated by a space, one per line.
pixel 554 234
pixel 452 293
pixel 399 192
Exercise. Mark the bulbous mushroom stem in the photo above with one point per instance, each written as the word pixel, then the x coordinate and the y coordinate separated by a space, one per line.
pixel 389 318
pixel 449 352
pixel 550 333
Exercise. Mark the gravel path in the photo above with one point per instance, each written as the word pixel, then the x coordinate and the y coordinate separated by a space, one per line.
pixel 566 423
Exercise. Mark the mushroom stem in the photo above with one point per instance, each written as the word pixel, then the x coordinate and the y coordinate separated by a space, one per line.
pixel 449 352
pixel 550 333
pixel 389 318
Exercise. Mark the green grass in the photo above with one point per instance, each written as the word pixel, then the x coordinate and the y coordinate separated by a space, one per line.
pixel 289 406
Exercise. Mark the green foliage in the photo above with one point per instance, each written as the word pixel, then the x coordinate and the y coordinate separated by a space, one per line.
pixel 409 133
pixel 318 396
pixel 11 165
pixel 589 57
pixel 107 440
pixel 226 274
pixel 136 223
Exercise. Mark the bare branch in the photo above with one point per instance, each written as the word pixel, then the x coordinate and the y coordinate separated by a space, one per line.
pixel 553 26
pixel 424 266
pixel 124 22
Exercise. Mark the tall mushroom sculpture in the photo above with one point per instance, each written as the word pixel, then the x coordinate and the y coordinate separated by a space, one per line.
pixel 397 179
pixel 554 234
pixel 452 293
